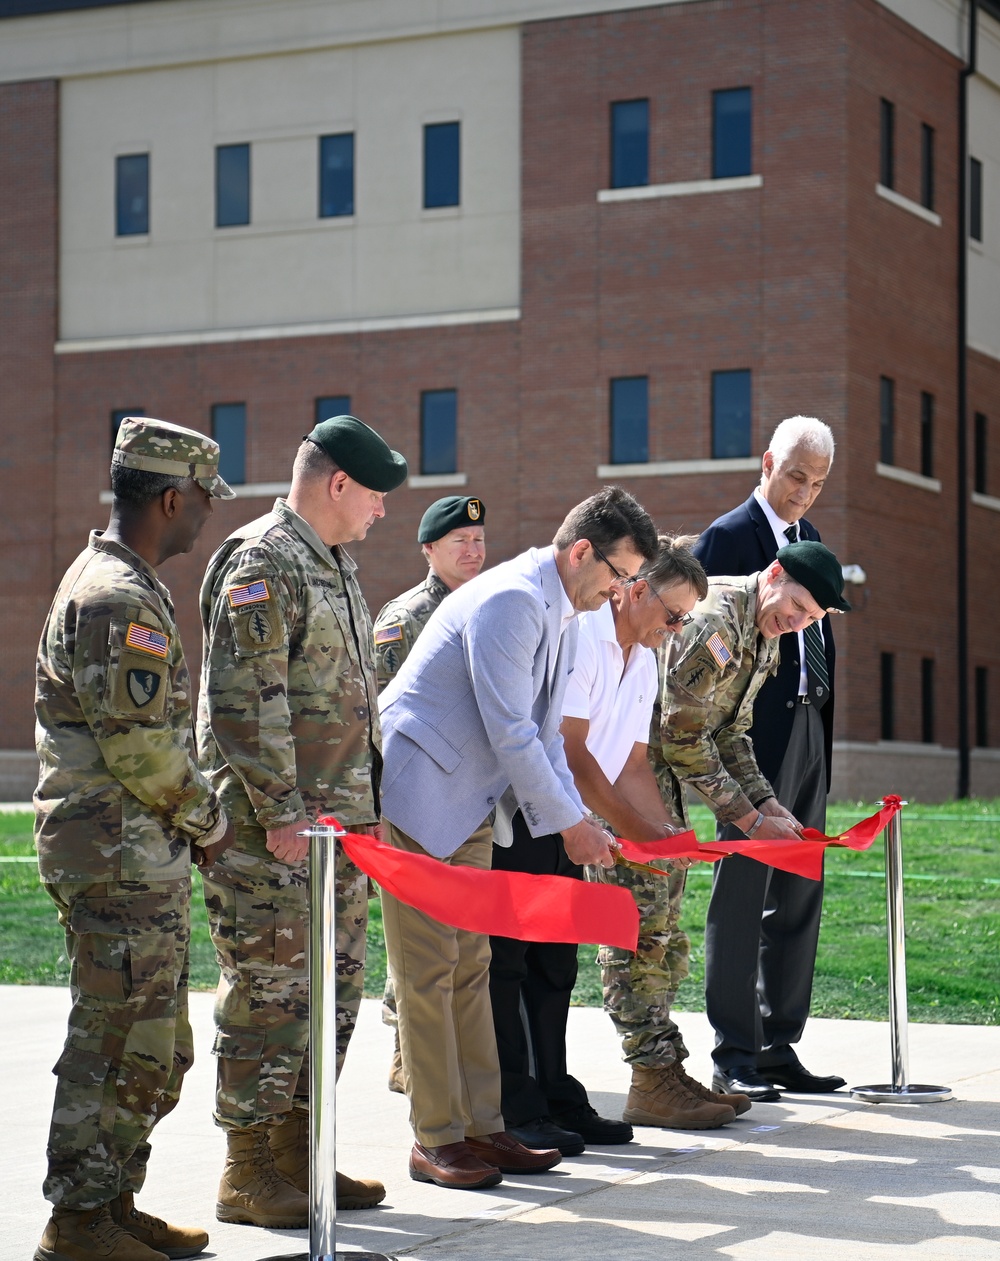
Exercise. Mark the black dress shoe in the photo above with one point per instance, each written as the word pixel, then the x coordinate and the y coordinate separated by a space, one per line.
pixel 799 1080
pixel 583 1120
pixel 743 1079
pixel 542 1132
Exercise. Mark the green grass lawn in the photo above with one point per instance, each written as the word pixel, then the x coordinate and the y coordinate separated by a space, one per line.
pixel 952 919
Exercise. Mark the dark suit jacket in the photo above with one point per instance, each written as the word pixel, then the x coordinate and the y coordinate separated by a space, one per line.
pixel 742 542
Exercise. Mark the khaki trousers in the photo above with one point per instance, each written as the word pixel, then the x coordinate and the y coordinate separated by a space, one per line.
pixel 442 979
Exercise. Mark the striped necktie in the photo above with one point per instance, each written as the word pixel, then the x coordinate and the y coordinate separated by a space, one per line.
pixel 816 669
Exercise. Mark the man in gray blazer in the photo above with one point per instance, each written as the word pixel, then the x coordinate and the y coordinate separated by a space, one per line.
pixel 471 727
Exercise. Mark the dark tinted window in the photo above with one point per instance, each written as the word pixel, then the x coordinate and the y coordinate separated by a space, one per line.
pixel 439 431
pixel 979 467
pixel 232 185
pixel 731 133
pixel 927 700
pixel 887 144
pixel 975 199
pixel 441 164
pixel 229 429
pixel 332 405
pixel 926 434
pixel 630 420
pixel 118 414
pixel 629 143
pixel 731 429
pixel 132 194
pixel 982 719
pixel 887 421
pixel 927 166
pixel 336 175
pixel 887 696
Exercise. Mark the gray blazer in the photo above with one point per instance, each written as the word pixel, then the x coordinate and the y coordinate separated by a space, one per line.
pixel 475 711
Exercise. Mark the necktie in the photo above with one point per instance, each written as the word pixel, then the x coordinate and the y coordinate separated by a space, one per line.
pixel 816 672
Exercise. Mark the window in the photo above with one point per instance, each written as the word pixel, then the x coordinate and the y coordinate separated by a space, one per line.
pixel 441 164
pixel 132 194
pixel 232 185
pixel 979 455
pixel 629 420
pixel 887 420
pixel 731 133
pixel 887 696
pixel 975 199
pixel 439 431
pixel 927 166
pixel 118 414
pixel 629 143
pixel 887 144
pixel 730 414
pixel 926 434
pixel 336 175
pixel 982 713
pixel 927 700
pixel 229 429
pixel 332 405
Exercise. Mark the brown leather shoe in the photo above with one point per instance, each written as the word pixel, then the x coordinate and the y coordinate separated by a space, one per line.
pixel 510 1156
pixel 452 1165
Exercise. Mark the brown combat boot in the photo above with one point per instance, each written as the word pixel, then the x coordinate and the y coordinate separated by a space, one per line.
pixel 252 1191
pixel 289 1141
pixel 172 1241
pixel 738 1103
pixel 656 1097
pixel 90 1235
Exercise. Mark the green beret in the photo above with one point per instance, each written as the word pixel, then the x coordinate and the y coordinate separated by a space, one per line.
pixel 360 452
pixel 451 513
pixel 817 569
pixel 157 446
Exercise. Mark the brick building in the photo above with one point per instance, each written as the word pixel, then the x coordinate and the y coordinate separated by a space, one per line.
pixel 540 246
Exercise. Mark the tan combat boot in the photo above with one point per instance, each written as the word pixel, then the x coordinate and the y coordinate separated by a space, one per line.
pixel 252 1191
pixel 738 1103
pixel 289 1141
pixel 656 1097
pixel 172 1241
pixel 91 1235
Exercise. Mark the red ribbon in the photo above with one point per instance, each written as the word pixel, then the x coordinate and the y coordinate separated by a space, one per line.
pixel 501 903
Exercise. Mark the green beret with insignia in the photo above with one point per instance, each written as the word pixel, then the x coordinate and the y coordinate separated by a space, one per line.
pixel 157 446
pixel 357 449
pixel 451 513
pixel 816 568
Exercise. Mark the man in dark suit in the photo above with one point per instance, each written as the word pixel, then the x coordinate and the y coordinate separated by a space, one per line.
pixel 763 924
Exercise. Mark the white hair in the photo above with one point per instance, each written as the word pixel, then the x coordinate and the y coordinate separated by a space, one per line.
pixel 801 433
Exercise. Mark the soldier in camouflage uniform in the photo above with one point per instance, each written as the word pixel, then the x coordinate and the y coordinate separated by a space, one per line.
pixel 288 729
pixel 452 538
pixel 121 808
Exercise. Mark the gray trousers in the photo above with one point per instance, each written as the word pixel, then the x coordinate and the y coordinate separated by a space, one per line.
pixel 763 925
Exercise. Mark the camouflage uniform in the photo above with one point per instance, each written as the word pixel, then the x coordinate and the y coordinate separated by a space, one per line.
pixel 287 730
pixel 709 677
pixel 401 621
pixel 118 805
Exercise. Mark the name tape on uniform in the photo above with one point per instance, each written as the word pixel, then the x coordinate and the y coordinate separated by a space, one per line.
pixel 251 593
pixel 145 639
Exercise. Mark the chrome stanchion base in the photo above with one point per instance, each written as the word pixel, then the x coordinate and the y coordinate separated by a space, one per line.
pixel 901 1094
pixel 340 1256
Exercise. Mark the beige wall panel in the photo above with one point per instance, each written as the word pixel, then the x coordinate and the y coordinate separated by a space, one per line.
pixel 984 257
pixel 262 95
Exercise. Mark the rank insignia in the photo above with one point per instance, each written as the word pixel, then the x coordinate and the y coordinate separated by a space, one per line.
pixel 252 593
pixel 719 650
pixel 145 639
pixel 142 686
pixel 388 635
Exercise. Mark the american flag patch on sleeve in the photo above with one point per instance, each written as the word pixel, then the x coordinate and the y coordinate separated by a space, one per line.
pixel 146 639
pixel 252 593
pixel 719 650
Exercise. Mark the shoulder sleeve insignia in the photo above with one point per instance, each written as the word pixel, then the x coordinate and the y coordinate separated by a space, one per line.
pixel 719 650
pixel 388 635
pixel 251 593
pixel 145 639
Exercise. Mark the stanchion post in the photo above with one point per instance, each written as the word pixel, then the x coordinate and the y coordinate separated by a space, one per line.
pixel 899 1090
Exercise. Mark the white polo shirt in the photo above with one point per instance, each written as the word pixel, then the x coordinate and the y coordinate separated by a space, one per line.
pixel 617 699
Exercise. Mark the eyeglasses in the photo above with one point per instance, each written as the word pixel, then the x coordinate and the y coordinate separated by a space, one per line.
pixel 674 619
pixel 619 576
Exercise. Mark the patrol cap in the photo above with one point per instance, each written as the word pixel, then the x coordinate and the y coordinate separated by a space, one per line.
pixel 157 446
pixel 451 513
pixel 360 452
pixel 818 570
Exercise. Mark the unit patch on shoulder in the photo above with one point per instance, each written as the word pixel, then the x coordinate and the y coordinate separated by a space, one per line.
pixel 388 635
pixel 719 650
pixel 251 593
pixel 145 639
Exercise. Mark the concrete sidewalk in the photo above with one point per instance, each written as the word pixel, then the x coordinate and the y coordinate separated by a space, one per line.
pixel 806 1178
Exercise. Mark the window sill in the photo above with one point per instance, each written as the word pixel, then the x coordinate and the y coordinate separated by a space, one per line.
pixel 245 490
pixel 685 189
pixel 440 212
pixel 904 203
pixel 674 468
pixel 131 239
pixel 986 501
pixel 910 479
pixel 428 481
